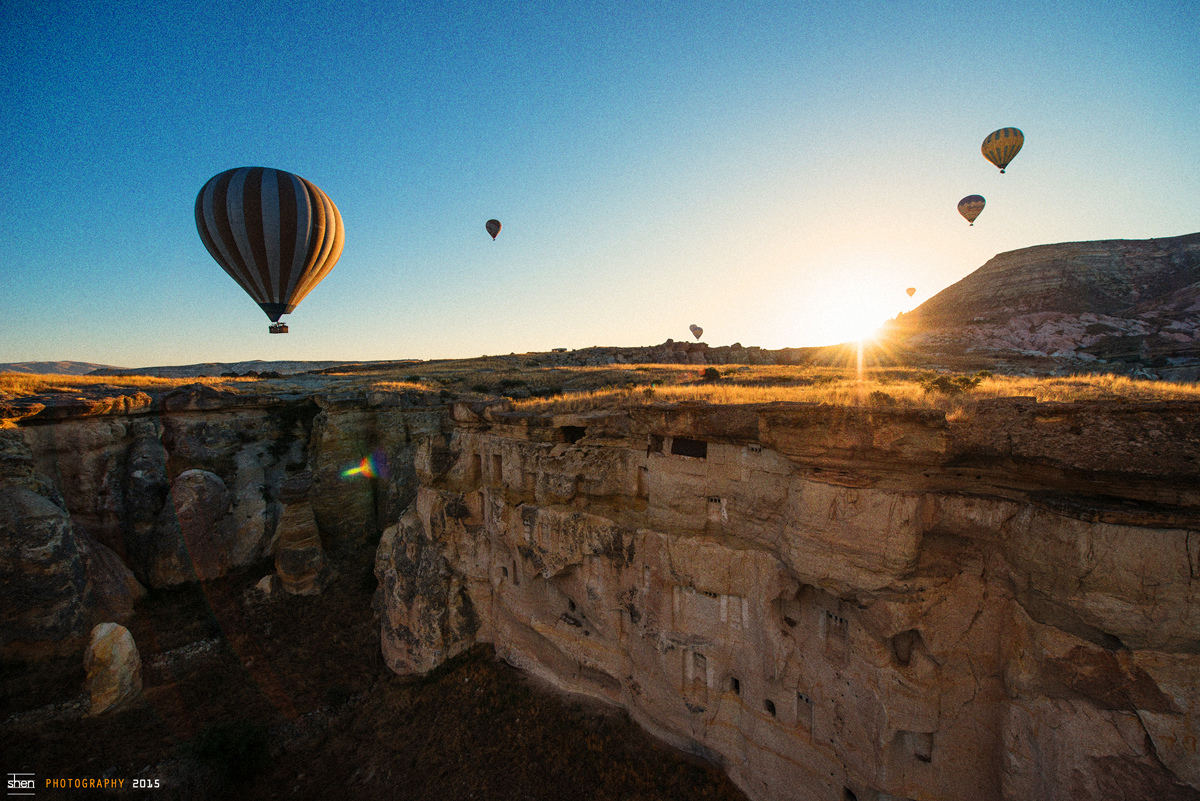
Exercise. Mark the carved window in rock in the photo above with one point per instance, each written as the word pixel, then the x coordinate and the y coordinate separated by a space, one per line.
pixel 804 712
pixel 497 469
pixel 769 706
pixel 654 444
pixel 836 631
pixel 695 448
pixel 528 521
pixel 516 574
pixel 717 513
pixel 696 677
pixel 477 469
pixel 735 686
pixel 735 611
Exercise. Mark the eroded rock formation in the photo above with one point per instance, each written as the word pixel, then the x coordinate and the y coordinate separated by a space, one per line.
pixel 833 603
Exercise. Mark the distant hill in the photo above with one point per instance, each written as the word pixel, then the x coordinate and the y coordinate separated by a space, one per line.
pixel 1132 304
pixel 54 368
pixel 218 368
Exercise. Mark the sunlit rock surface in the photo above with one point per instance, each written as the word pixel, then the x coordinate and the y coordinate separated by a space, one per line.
pixel 1111 305
pixel 833 603
pixel 114 668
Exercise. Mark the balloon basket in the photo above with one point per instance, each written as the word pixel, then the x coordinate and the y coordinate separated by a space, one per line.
pixel 278 328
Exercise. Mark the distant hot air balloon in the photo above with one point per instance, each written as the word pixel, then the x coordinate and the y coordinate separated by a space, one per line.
pixel 493 228
pixel 970 206
pixel 696 330
pixel 1002 146
pixel 275 233
pixel 912 290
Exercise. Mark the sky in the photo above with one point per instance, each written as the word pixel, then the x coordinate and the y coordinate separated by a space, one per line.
pixel 777 173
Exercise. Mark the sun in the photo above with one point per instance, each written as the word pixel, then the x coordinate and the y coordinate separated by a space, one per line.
pixel 852 319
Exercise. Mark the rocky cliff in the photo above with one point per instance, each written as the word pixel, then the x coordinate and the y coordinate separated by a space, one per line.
pixel 833 603
pixel 1117 302
pixel 830 603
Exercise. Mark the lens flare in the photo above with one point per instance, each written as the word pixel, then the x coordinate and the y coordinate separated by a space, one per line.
pixel 372 466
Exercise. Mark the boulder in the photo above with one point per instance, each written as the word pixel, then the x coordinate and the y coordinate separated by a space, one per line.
pixel 195 533
pixel 114 668
pixel 44 594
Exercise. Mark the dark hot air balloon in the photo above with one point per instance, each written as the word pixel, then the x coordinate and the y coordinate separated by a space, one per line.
pixel 912 290
pixel 1000 147
pixel 493 228
pixel 970 206
pixel 275 233
pixel 696 330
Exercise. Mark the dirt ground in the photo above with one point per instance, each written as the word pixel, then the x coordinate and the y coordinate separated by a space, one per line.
pixel 290 698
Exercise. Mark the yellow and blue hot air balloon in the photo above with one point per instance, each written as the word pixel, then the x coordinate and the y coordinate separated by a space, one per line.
pixel 275 233
pixel 970 206
pixel 1002 146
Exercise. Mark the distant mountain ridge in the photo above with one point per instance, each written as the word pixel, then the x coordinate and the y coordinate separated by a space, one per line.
pixel 1127 302
pixel 54 368
pixel 215 369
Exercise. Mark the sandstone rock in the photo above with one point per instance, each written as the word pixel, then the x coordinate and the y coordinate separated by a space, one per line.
pixel 44 595
pixel 114 668
pixel 833 603
pixel 195 534
pixel 300 560
pixel 427 614
pixel 114 588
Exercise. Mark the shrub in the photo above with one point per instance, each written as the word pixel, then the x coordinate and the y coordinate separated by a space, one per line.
pixel 950 386
pixel 712 374
pixel 879 398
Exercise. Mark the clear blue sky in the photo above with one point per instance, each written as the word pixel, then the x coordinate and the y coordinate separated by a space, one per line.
pixel 776 172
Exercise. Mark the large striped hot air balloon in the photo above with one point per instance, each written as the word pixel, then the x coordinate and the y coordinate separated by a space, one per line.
pixel 275 233
pixel 1000 147
pixel 970 206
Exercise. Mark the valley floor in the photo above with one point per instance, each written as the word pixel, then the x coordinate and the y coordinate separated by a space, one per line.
pixel 289 698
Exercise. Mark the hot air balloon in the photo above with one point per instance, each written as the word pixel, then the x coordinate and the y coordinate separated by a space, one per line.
pixel 912 290
pixel 970 206
pixel 1002 146
pixel 696 330
pixel 275 233
pixel 493 228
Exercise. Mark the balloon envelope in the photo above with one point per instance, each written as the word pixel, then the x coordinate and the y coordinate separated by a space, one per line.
pixel 493 227
pixel 1000 147
pixel 696 330
pixel 275 233
pixel 912 290
pixel 970 206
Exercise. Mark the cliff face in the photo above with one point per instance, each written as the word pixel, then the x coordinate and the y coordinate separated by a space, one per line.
pixel 833 603
pixel 104 499
pixel 828 602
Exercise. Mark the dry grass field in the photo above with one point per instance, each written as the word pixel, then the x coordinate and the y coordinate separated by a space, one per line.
pixel 533 386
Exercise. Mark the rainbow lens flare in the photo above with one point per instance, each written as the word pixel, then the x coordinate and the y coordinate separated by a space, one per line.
pixel 373 466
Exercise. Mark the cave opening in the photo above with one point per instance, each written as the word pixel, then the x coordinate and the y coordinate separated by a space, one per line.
pixel 682 446
pixel 572 434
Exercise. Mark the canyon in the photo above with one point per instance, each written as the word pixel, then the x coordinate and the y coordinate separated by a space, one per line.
pixel 826 602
